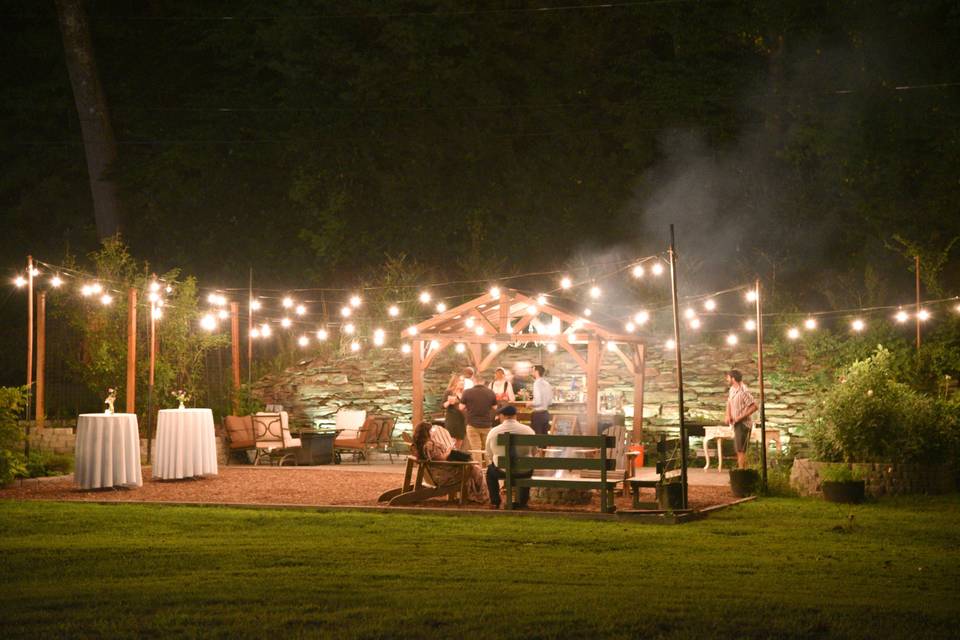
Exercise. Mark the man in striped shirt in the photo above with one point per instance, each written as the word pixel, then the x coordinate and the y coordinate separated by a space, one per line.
pixel 740 406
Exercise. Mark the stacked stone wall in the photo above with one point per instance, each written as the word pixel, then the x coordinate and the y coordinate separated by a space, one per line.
pixel 881 478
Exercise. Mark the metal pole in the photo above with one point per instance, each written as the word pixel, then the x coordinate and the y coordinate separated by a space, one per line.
pixel 763 410
pixel 676 340
pixel 250 332
pixel 916 313
pixel 41 358
pixel 153 362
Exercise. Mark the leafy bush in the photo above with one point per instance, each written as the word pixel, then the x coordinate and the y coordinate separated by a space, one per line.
pixel 869 416
pixel 840 473
pixel 42 463
pixel 13 400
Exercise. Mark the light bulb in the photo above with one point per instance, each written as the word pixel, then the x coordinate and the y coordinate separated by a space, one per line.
pixel 265 330
pixel 154 286
pixel 710 304
pixel 695 323
pixel 303 341
pixel 551 347
pixel 157 313
pixel 750 325
pixel 902 316
pixel 412 330
pixel 793 333
pixel 565 283
pixel 441 307
pixel 254 333
pixel 810 324
pixel 460 347
pixel 732 339
pixel 858 325
pixel 532 309
pixel 223 314
pixel 153 296
pixel 923 315
pixel 595 292
pixel 495 292
pixel 479 330
pixel 349 329
pixel 587 312
pixel 255 305
pixel 208 322
pixel 34 272
pixel 96 287
pixel 670 344
pixel 286 322
pixel 20 281
pixel 394 311
pixel 300 310
pixel 354 346
pixel 405 348
pixel 469 322
pixel 641 318
pixel 689 313
pixel 611 346
pixel 638 271
pixel 751 295
pixel 379 337
pixel 630 327
pixel 287 302
pixel 656 269
pixel 355 301
pixel 425 297
pixel 106 299
pixel 346 311
pixel 541 299
pixel 494 346
pixel 55 282
pixel 322 334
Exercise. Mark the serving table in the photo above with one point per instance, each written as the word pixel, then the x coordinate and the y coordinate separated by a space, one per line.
pixel 107 451
pixel 186 445
pixel 719 432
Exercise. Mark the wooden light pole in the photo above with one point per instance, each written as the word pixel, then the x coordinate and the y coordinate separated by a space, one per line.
pixel 41 358
pixel 916 313
pixel 676 340
pixel 235 352
pixel 131 403
pixel 153 363
pixel 26 442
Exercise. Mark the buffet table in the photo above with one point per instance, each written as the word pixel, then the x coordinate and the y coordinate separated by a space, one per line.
pixel 720 432
pixel 107 451
pixel 186 444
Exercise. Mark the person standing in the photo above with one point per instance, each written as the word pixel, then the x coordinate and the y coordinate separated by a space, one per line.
pixel 495 451
pixel 502 387
pixel 478 403
pixel 542 397
pixel 469 378
pixel 454 420
pixel 740 406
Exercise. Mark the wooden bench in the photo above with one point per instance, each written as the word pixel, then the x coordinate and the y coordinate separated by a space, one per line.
pixel 668 469
pixel 425 485
pixel 513 464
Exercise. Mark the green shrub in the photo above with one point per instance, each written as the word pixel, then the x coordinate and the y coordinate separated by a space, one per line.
pixel 840 473
pixel 869 416
pixel 41 463
pixel 13 400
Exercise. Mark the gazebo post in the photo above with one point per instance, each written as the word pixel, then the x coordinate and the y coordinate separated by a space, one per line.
pixel 684 440
pixel 417 399
pixel 639 378
pixel 593 378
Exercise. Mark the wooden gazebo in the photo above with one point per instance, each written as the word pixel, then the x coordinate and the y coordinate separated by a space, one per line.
pixel 507 319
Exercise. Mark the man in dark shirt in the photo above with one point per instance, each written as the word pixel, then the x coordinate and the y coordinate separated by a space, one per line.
pixel 478 402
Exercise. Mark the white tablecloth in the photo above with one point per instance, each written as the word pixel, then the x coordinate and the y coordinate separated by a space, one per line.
pixel 186 445
pixel 107 451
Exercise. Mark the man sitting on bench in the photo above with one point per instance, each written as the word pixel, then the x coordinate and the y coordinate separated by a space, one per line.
pixel 494 451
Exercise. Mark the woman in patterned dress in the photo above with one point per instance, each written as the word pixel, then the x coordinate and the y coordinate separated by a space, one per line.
pixel 433 442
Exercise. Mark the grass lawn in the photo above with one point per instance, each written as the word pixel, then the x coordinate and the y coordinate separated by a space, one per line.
pixel 772 568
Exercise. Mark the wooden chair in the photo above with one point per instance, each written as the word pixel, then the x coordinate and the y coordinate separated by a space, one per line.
pixel 273 440
pixel 619 455
pixel 668 470
pixel 365 440
pixel 426 485
pixel 238 432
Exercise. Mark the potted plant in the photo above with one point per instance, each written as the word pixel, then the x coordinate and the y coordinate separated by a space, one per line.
pixel 744 482
pixel 841 483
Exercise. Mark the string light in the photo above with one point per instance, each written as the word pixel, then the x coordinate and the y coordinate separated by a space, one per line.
pixel 394 311
pixel 223 314
pixel 923 315
pixel 96 287
pixel 34 272
pixel 322 334
pixel 532 309
pixel 106 299
pixel 405 348
pixel 354 346
pixel 355 301
pixel 611 346
pixel 434 344
pixel 460 347
pixel 160 302
pixel 751 295
pixel 710 304
pixel 470 322
pixel 541 299
pixel 858 325
pixel 157 313
pixel 154 286
pixel 378 337
pixel 494 346
pixel 565 283
pixel 642 318
pixel 638 271
pixel 287 302
pixel 656 269
pixel 732 339
pixel 265 330
pixel 255 305
pixel 216 299
pixel 55 282
pixel 630 327
pixel 300 310
pixel 425 297
pixel 208 322
pixel 689 313
pixel 254 333
pixel 169 289
pixel 286 322
pixel 902 316
pixel 670 344
pixel 303 341
pixel 587 312
pixel 495 293
pixel 153 296
pixel 695 323
pixel 441 307
pixel 793 333
pixel 86 290
pixel 750 325
pixel 595 292
pixel 346 311
pixel 810 324
pixel 20 281
pixel 349 329
pixel 479 330
pixel 412 330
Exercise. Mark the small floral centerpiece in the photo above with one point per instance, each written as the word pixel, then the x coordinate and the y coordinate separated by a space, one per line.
pixel 182 396
pixel 109 400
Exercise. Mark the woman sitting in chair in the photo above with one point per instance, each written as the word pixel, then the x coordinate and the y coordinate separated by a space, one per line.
pixel 433 442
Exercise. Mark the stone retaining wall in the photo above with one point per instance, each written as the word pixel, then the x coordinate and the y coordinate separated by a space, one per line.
pixel 882 479
pixel 379 380
pixel 63 440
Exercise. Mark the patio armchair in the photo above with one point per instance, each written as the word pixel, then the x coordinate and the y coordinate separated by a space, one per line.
pixel 273 439
pixel 366 438
pixel 238 433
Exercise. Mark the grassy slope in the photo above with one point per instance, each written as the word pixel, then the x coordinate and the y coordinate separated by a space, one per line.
pixel 778 567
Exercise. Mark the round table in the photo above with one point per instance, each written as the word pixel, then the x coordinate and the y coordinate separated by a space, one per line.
pixel 186 445
pixel 107 451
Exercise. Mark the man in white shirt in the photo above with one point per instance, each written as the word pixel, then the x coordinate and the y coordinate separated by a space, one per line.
pixel 495 452
pixel 740 406
pixel 542 397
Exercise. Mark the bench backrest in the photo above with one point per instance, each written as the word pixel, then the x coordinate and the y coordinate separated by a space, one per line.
pixel 669 460
pixel 514 463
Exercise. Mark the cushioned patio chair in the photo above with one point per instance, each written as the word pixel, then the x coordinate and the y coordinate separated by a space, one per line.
pixel 238 432
pixel 274 442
